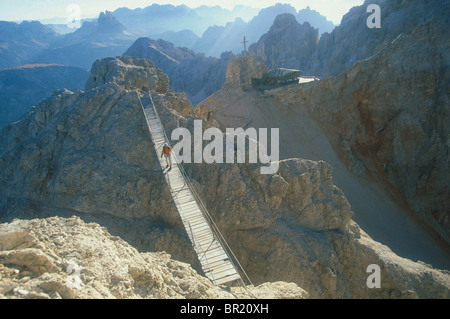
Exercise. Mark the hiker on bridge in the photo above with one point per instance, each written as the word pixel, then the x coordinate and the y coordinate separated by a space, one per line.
pixel 166 152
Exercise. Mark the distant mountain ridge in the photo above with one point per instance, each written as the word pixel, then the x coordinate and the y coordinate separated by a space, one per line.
pixel 218 39
pixel 95 39
pixel 197 75
pixel 25 86
pixel 19 43
pixel 218 30
pixel 156 18
pixel 114 33
pixel 33 42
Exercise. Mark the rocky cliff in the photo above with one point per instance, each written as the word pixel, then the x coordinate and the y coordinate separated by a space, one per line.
pixel 293 45
pixel 287 44
pixel 72 162
pixel 57 258
pixel 387 117
pixel 241 70
pixel 297 112
pixel 130 74
pixel 90 154
pixel 353 41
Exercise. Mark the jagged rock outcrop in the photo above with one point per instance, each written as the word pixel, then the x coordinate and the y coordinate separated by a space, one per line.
pixel 90 154
pixel 287 44
pixel 353 41
pixel 129 73
pixel 301 191
pixel 57 258
pixel 107 23
pixel 315 19
pixel 297 219
pixel 162 53
pixel 285 108
pixel 241 70
pixel 387 118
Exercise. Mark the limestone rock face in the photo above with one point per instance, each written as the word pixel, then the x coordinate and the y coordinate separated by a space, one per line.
pixel 163 54
pixel 298 220
pixel 177 102
pixel 241 70
pixel 391 115
pixel 272 290
pixel 67 258
pixel 287 44
pixel 90 154
pixel 301 191
pixel 87 159
pixel 58 257
pixel 128 73
pixel 332 261
pixel 353 41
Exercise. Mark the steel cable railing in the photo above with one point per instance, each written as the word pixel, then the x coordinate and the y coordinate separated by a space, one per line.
pixel 216 231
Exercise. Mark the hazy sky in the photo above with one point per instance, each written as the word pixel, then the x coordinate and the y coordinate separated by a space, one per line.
pixel 17 10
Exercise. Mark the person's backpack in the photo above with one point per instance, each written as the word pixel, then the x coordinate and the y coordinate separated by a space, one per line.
pixel 166 149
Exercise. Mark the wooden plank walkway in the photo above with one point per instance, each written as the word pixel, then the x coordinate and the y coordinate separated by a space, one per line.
pixel 212 256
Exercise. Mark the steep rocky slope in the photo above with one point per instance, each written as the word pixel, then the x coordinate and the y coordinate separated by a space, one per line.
pixel 387 116
pixel 163 53
pixel 90 154
pixel 287 44
pixel 305 132
pixel 388 119
pixel 353 41
pixel 67 258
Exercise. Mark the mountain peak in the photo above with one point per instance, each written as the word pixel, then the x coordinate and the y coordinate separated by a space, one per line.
pixel 107 22
pixel 129 74
pixel 283 20
pixel 286 35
